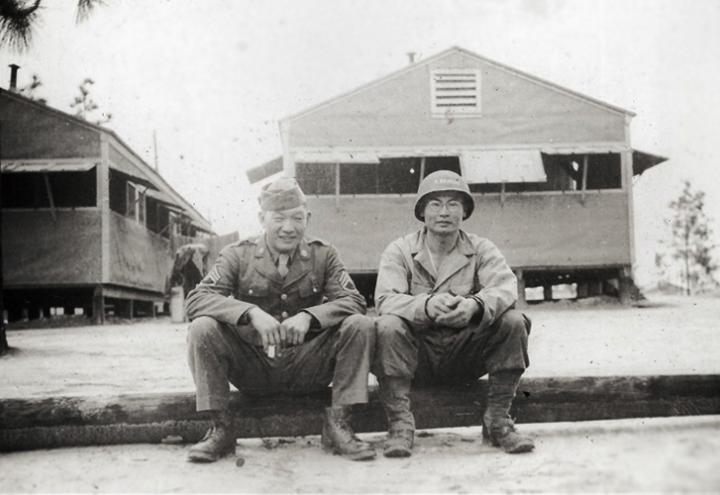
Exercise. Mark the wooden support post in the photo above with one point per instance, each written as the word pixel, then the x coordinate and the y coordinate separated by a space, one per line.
pixel 337 185
pixel 98 309
pixel 595 288
pixel 103 203
pixel 46 422
pixel 422 168
pixel 625 285
pixel 153 309
pixel 584 178
pixel 521 301
pixel 502 194
pixel 131 308
pixel 547 292
pixel 51 199
pixel 582 289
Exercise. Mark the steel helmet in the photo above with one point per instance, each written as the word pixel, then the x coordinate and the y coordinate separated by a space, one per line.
pixel 443 180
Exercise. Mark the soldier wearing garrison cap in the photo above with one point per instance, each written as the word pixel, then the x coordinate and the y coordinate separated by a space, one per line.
pixel 279 312
pixel 445 300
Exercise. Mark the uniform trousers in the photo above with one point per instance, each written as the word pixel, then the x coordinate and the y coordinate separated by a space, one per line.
pixel 217 356
pixel 442 355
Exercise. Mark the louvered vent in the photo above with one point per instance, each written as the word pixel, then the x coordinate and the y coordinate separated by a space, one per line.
pixel 455 91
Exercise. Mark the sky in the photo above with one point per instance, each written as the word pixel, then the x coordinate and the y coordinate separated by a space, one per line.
pixel 212 78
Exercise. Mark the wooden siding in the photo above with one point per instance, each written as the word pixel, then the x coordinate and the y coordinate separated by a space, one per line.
pixel 31 132
pixel 41 251
pixel 532 230
pixel 397 112
pixel 139 258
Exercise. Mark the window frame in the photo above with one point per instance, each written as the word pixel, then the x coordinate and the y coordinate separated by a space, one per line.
pixel 136 202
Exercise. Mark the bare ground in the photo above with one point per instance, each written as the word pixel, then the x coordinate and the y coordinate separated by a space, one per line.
pixel 670 455
pixel 675 336
pixel 675 455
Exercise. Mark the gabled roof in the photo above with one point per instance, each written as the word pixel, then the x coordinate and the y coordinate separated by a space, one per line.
pixel 457 49
pixel 147 169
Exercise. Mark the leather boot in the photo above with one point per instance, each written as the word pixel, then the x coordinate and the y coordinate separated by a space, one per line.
pixel 218 442
pixel 498 428
pixel 395 397
pixel 338 437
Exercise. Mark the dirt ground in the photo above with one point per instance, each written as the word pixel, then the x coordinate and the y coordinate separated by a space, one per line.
pixel 673 336
pixel 668 455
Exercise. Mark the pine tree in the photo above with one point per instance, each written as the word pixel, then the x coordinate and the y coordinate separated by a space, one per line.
pixel 692 242
pixel 84 105
pixel 18 19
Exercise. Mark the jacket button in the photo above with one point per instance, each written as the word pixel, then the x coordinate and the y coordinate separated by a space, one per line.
pixel 283 296
pixel 284 315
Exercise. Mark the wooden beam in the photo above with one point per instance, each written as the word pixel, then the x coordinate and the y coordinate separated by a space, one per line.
pixel 102 179
pixel 98 309
pixel 625 285
pixel 584 178
pixel 337 185
pixel 66 421
pixel 547 292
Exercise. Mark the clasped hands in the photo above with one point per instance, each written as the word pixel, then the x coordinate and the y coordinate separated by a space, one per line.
pixel 288 333
pixel 450 310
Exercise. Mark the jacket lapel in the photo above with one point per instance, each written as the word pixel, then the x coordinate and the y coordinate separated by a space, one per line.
pixel 264 264
pixel 456 261
pixel 421 258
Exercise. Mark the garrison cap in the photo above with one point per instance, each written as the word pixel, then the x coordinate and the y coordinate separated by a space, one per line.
pixel 282 194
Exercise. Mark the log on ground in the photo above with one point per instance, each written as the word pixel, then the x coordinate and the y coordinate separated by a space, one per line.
pixel 73 421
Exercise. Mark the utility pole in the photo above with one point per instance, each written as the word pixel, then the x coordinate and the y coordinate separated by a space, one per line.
pixel 157 165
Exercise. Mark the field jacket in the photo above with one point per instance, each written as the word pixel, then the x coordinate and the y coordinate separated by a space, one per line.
pixel 406 278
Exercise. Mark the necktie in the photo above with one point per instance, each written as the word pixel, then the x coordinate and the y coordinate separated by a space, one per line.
pixel 283 265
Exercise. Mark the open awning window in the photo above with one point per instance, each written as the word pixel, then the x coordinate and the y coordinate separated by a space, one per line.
pixel 335 157
pixel 9 167
pixel 643 161
pixel 164 198
pixel 274 166
pixel 497 166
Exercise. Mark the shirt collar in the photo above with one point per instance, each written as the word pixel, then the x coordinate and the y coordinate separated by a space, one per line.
pixel 464 244
pixel 274 255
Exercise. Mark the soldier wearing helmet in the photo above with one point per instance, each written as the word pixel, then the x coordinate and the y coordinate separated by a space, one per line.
pixel 445 299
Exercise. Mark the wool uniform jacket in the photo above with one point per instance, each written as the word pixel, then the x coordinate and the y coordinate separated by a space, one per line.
pixel 245 276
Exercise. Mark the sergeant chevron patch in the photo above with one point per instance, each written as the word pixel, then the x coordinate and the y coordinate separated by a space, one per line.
pixel 346 281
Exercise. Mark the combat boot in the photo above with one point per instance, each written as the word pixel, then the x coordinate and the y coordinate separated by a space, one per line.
pixel 218 442
pixel 395 397
pixel 338 437
pixel 502 433
pixel 498 428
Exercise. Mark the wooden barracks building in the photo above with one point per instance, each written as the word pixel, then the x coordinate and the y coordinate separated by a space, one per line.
pixel 85 221
pixel 551 170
